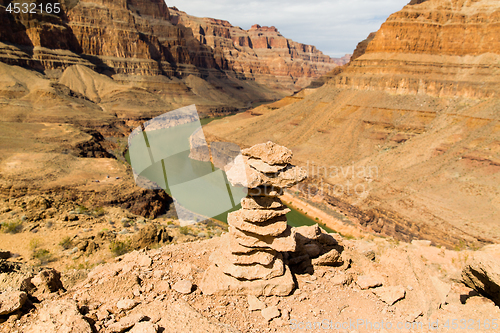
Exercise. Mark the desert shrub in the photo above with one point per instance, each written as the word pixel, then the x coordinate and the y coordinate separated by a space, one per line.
pixel 12 227
pixel 43 256
pixel 120 247
pixel 184 230
pixel 81 210
pixel 99 211
pixel 34 244
pixel 66 243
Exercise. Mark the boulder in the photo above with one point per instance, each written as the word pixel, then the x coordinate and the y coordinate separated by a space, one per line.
pixel 12 301
pixel 482 272
pixel 59 316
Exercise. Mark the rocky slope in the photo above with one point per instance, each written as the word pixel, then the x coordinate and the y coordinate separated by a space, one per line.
pixel 405 140
pixel 158 290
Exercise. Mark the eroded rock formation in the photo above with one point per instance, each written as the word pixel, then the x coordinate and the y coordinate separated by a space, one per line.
pixel 250 259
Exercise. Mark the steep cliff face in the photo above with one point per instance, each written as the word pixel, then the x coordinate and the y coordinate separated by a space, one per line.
pixel 145 37
pixel 406 139
pixel 439 48
pixel 260 52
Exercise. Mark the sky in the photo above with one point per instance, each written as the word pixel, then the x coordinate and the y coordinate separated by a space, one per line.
pixel 335 27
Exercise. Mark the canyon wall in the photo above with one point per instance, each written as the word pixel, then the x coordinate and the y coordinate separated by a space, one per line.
pixel 405 140
pixel 145 37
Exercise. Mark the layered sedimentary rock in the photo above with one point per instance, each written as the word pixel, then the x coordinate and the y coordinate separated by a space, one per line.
pixel 250 259
pixel 405 140
pixel 261 53
pixel 145 37
pixel 442 48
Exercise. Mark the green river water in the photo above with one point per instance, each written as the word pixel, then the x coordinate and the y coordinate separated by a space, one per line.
pixel 181 169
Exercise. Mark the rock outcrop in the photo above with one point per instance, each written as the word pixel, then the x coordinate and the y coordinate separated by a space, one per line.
pixel 482 272
pixel 250 260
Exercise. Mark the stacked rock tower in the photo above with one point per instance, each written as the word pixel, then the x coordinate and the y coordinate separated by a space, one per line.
pixel 250 258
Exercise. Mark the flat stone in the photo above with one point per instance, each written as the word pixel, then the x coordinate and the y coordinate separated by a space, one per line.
pixel 341 279
pixel 390 295
pixel 267 191
pixel 273 227
pixel 270 313
pixel 284 243
pixel 183 286
pixel 12 301
pixel 331 258
pixel 269 152
pixel 254 303
pixel 285 178
pixel 253 256
pixel 126 304
pixel 258 216
pixel 261 203
pixel 239 173
pixel 366 282
pixel 263 167
pixel 215 282
pixel 251 272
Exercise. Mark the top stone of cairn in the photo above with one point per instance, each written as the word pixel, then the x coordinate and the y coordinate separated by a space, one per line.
pixel 270 153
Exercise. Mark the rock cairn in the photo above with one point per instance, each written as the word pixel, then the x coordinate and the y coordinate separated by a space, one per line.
pixel 250 258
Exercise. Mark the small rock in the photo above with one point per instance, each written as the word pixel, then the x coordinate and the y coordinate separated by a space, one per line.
pixel 12 301
pixel 390 295
pixel 144 327
pixel 125 323
pixel 123 232
pixel 341 280
pixel 47 281
pixel 370 254
pixel 183 286
pixel 285 314
pixel 5 254
pixel 328 259
pixel 255 304
pixel 366 282
pixel 162 286
pixel 270 313
pixel 126 304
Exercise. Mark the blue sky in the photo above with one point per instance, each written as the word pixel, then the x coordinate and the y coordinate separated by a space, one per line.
pixel 334 27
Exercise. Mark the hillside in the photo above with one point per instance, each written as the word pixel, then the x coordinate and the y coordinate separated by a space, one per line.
pixel 416 120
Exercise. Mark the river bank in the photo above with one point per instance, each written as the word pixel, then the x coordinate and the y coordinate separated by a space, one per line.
pixel 323 218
